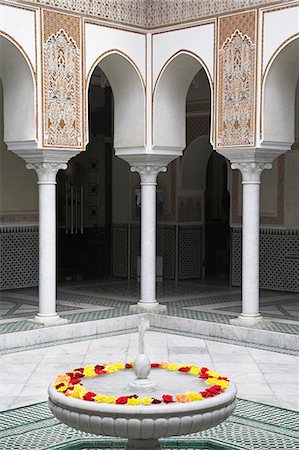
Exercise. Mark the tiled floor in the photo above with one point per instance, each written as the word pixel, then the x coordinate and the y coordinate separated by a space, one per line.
pixel 267 377
pixel 213 302
pixel 252 426
pixel 260 375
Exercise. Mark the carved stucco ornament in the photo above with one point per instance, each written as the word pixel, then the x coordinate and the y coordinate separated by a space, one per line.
pixel 237 68
pixel 62 91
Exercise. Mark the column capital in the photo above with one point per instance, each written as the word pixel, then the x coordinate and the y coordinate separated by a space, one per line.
pixel 46 171
pixel 46 162
pixel 251 171
pixel 148 172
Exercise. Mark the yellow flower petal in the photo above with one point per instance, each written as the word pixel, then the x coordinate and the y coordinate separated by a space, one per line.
pixel 133 401
pixel 109 399
pixel 89 371
pixel 213 374
pixel 79 391
pixel 194 370
pixel 146 401
pixel 194 396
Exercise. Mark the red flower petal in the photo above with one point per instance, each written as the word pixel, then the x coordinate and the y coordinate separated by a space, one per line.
pixel 89 396
pixel 156 401
pixel 75 380
pixel 98 368
pixel 121 400
pixel 153 365
pixel 167 398
pixel 184 369
pixel 128 366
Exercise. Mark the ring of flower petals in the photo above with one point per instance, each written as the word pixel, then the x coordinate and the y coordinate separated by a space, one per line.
pixel 70 384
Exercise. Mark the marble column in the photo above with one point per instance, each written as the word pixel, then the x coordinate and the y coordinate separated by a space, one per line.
pixel 148 175
pixel 46 174
pixel 251 174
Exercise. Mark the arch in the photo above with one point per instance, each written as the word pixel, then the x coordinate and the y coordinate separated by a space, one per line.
pixel 169 98
pixel 129 97
pixel 279 88
pixel 18 80
pixel 194 163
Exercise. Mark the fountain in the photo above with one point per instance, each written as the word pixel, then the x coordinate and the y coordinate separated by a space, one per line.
pixel 142 420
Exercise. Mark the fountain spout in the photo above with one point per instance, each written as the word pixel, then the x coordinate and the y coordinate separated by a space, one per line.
pixel 142 327
pixel 142 364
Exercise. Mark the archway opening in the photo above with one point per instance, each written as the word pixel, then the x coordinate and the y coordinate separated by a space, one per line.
pixel 217 229
pixel 279 95
pixel 84 195
pixel 18 199
pixel 203 200
pixel 94 192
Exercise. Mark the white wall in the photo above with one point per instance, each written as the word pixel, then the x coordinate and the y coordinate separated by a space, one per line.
pixel 18 187
pixel 19 24
pixel 198 40
pixel 279 26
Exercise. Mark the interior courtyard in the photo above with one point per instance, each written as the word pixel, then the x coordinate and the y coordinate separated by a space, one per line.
pixel 149 158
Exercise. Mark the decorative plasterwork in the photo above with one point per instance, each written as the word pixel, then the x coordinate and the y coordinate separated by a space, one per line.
pixel 62 81
pixel 236 83
pixel 152 13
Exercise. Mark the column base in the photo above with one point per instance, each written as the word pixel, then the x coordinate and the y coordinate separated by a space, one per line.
pixel 48 321
pixel 246 320
pixel 150 307
pixel 143 444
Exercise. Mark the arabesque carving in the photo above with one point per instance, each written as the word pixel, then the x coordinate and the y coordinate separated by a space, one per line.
pixel 62 91
pixel 151 13
pixel 236 91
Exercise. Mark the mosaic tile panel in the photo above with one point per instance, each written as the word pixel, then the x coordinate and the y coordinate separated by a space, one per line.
pixel 120 250
pixel 279 259
pixel 252 426
pixel 190 251
pixel 166 239
pixel 19 257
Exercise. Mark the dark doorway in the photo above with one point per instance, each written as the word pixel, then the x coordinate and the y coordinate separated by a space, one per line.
pixel 84 196
pixel 217 230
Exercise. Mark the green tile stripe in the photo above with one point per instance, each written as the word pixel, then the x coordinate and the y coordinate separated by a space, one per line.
pixel 69 341
pixel 34 428
pixel 156 329
pixel 206 316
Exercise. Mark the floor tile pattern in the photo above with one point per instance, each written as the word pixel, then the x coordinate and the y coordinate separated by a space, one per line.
pixel 199 300
pixel 252 426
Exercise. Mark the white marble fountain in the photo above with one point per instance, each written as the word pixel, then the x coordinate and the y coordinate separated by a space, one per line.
pixel 143 425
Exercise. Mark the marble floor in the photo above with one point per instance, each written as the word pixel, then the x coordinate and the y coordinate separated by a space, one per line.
pixel 209 296
pixel 268 377
pixel 206 301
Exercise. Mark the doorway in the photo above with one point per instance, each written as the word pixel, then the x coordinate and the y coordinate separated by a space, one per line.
pixel 217 229
pixel 84 193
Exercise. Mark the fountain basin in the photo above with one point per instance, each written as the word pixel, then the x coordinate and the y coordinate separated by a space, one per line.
pixel 143 425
